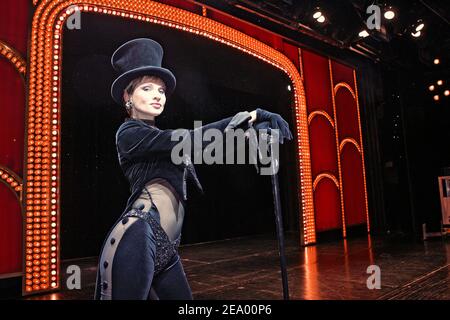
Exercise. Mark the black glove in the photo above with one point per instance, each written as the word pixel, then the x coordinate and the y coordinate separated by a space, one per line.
pixel 276 122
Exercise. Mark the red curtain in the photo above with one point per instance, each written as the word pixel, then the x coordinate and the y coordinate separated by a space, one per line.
pixel 322 77
pixel 351 155
pixel 14 26
pixel 322 138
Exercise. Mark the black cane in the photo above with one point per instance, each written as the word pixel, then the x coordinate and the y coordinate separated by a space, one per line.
pixel 278 218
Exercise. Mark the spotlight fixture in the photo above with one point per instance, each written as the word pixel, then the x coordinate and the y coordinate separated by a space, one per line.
pixel 363 34
pixel 447 93
pixel 420 26
pixel 436 98
pixel 440 82
pixel 318 16
pixel 431 88
pixel 436 61
pixel 416 28
pixel 389 14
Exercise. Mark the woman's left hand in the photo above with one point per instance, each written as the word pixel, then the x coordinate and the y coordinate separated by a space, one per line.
pixel 269 120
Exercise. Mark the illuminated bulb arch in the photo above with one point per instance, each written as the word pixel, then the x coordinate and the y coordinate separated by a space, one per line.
pixel 349 140
pixel 325 175
pixel 344 85
pixel 14 57
pixel 12 181
pixel 43 159
pixel 320 113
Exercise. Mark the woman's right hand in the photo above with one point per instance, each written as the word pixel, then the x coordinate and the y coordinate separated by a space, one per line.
pixel 253 114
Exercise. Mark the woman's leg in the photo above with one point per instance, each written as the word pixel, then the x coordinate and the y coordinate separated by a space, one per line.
pixel 133 265
pixel 172 284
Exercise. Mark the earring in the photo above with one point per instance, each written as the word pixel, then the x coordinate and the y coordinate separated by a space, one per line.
pixel 129 105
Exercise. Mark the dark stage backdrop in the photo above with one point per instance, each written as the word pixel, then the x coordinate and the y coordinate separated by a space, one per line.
pixel 213 82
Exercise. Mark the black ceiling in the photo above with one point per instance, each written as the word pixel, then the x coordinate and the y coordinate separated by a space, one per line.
pixel 393 43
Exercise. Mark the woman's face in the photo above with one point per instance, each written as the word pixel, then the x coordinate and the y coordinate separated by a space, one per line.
pixel 148 98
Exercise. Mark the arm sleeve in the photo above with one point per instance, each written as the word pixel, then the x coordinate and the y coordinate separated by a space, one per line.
pixel 220 125
pixel 135 141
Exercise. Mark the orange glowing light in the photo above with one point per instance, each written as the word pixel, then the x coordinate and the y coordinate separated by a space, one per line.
pixel 44 99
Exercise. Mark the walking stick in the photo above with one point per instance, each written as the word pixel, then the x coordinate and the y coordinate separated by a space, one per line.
pixel 278 216
pixel 253 141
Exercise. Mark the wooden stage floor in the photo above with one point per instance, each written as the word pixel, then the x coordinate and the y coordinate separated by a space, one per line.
pixel 248 268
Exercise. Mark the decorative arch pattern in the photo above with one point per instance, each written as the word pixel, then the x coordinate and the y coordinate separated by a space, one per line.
pixel 12 181
pixel 325 175
pixel 320 113
pixel 14 57
pixel 351 141
pixel 343 85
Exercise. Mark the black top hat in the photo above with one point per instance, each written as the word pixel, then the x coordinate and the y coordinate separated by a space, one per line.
pixel 136 58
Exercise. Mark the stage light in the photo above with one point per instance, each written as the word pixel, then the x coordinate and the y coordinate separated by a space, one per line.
pixel 389 14
pixel 318 16
pixel 363 34
pixel 436 61
pixel 439 82
pixel 420 26
pixel 446 93
pixel 431 88
pixel 436 98
pixel 417 28
pixel 321 19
